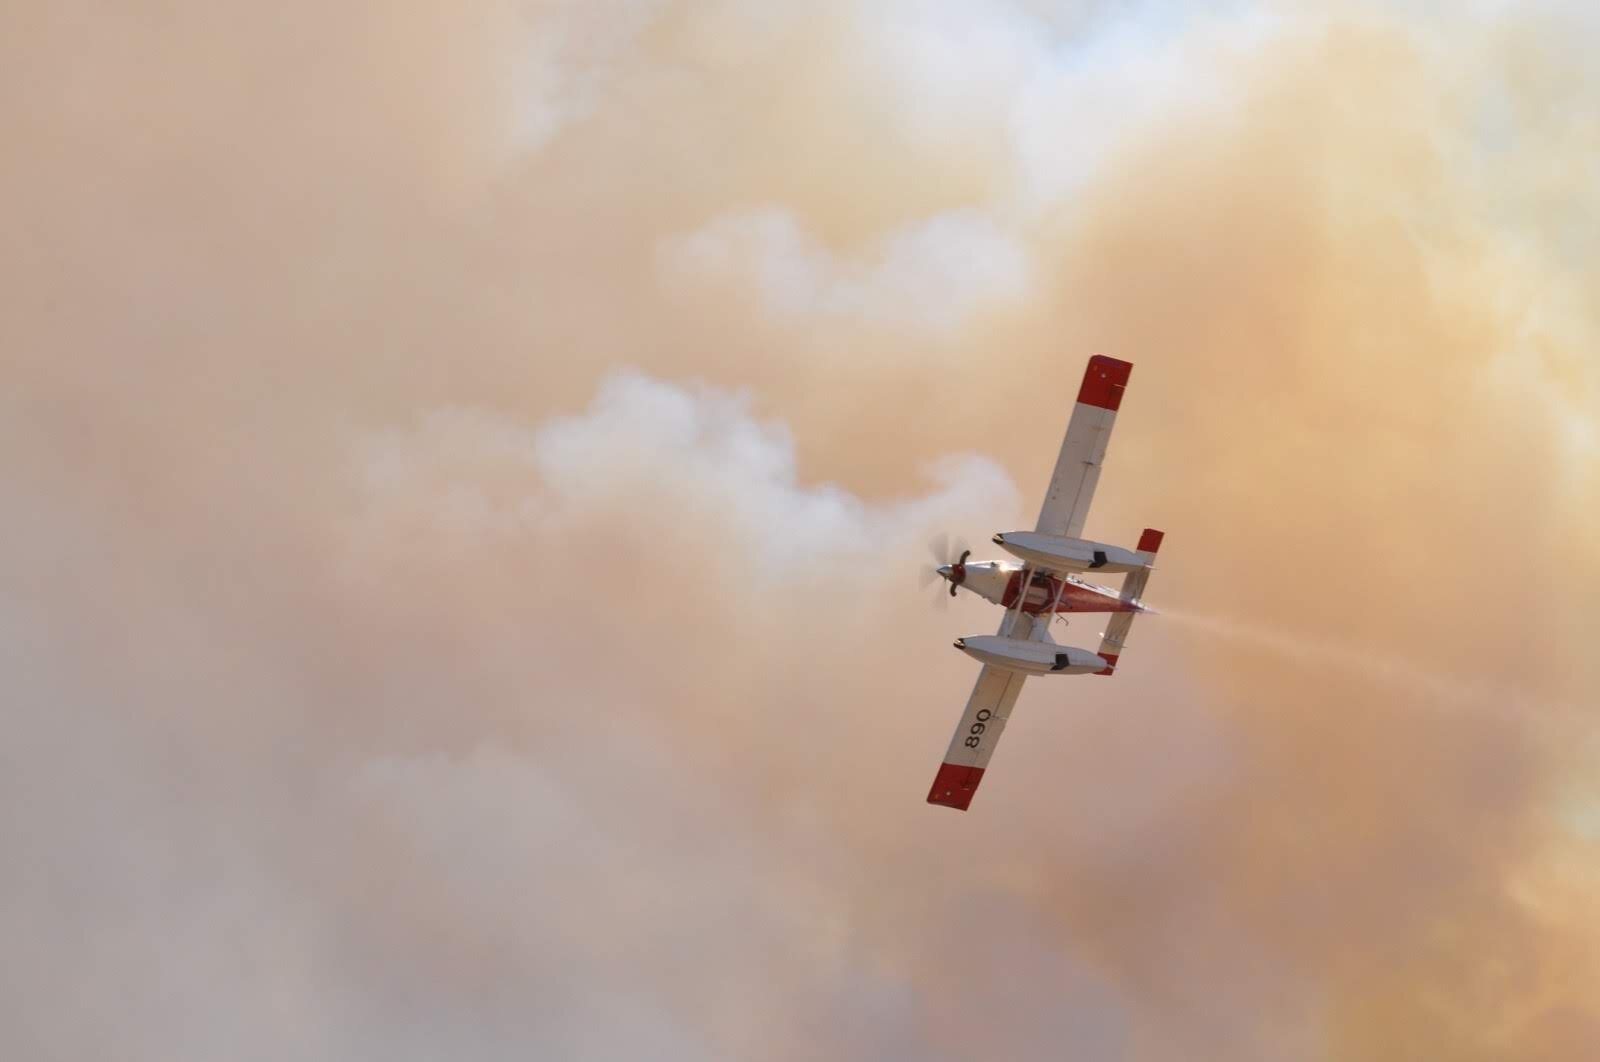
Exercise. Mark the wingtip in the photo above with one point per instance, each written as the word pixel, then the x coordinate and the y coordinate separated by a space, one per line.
pixel 954 786
pixel 1104 381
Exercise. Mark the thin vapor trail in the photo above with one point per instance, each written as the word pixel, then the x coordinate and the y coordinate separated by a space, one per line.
pixel 1434 690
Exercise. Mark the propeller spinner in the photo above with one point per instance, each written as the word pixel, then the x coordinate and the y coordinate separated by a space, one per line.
pixel 957 572
pixel 950 560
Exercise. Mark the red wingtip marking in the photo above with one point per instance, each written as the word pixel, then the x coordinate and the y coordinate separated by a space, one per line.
pixel 1150 541
pixel 954 785
pixel 1104 381
pixel 1111 664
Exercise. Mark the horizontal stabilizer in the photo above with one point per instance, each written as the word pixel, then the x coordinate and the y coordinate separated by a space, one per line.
pixel 1115 638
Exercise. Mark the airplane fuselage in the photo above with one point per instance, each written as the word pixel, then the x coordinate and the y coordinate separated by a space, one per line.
pixel 1001 582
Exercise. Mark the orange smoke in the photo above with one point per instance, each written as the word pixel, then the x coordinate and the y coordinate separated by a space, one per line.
pixel 465 480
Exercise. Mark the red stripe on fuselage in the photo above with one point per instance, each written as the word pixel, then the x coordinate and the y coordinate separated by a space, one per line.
pixel 954 785
pixel 1104 380
pixel 1077 597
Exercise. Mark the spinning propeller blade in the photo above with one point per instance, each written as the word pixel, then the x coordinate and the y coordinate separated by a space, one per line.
pixel 948 554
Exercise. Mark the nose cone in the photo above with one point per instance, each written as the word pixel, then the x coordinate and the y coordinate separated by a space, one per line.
pixel 944 571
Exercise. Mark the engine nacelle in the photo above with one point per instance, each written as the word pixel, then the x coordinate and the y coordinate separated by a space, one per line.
pixel 1061 554
pixel 1031 657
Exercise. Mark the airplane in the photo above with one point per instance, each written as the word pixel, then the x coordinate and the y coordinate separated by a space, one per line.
pixel 1052 557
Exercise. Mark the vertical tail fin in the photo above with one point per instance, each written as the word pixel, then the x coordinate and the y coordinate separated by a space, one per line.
pixel 1133 584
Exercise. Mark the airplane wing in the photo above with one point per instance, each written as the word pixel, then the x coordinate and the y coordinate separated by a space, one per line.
pixel 980 727
pixel 1066 503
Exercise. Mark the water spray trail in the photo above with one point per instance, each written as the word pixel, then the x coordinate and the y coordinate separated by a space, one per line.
pixel 1441 691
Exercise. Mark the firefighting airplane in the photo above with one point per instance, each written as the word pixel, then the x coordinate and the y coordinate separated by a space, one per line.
pixel 1051 554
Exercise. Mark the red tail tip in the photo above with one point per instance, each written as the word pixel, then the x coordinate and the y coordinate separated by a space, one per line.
pixel 1111 664
pixel 1150 541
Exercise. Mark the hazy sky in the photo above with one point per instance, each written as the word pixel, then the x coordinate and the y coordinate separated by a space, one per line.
pixel 464 472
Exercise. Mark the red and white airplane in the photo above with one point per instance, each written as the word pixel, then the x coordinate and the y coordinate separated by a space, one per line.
pixel 1052 555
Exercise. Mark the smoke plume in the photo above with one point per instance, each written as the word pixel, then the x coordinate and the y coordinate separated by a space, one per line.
pixel 465 475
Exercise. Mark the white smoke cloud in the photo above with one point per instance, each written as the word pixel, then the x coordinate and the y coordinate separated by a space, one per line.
pixel 929 276
pixel 363 699
pixel 572 53
pixel 646 448
pixel 507 834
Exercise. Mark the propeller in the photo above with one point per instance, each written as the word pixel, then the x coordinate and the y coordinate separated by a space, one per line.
pixel 947 555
